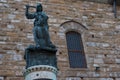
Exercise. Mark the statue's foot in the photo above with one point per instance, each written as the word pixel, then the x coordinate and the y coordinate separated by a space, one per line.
pixel 40 47
pixel 52 46
pixel 30 47
pixel 37 46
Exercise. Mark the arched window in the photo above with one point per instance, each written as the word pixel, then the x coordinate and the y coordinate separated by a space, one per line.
pixel 75 50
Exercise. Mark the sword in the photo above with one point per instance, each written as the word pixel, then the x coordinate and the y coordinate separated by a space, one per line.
pixel 33 6
pixel 30 6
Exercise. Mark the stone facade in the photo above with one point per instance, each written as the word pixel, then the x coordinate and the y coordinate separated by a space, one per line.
pixel 100 35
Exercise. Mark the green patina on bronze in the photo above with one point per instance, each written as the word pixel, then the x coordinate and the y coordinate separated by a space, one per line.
pixel 41 28
pixel 44 52
pixel 40 57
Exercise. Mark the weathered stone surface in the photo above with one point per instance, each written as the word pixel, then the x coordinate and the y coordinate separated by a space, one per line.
pixel 101 37
pixel 117 61
pixel 117 78
pixel 14 78
pixel 98 60
pixel 1 78
pixel 10 26
pixel 72 78
pixel 106 79
pixel 17 57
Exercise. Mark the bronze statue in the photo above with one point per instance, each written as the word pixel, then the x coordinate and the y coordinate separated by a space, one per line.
pixel 41 28
pixel 44 52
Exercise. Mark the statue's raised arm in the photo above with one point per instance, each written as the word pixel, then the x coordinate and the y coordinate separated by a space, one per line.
pixel 29 15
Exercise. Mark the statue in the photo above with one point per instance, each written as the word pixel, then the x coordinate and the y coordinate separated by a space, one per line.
pixel 40 29
pixel 43 52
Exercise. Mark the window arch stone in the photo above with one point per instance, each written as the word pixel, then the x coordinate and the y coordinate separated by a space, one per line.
pixel 73 26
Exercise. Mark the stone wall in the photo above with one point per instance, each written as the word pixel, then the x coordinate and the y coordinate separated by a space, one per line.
pixel 101 38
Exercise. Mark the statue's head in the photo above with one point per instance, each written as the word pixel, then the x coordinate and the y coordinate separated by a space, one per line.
pixel 39 7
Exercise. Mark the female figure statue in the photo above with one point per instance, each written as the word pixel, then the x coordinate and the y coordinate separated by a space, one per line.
pixel 41 28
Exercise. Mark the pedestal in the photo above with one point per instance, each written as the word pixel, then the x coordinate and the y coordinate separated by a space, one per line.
pixel 40 64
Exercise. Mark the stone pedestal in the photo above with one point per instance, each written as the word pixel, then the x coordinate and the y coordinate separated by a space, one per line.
pixel 40 72
pixel 40 64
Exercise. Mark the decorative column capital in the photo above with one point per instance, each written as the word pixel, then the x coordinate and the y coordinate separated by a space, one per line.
pixel 40 72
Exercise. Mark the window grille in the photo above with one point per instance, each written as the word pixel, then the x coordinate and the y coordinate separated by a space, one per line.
pixel 75 50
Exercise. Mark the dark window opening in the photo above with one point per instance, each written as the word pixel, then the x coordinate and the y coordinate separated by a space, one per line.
pixel 75 50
